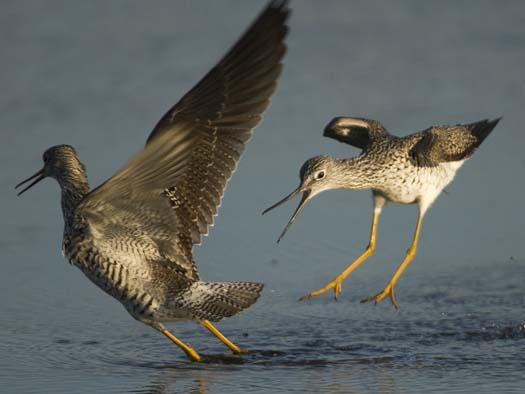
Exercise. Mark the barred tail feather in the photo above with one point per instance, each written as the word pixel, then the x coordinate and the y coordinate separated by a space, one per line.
pixel 215 300
pixel 482 129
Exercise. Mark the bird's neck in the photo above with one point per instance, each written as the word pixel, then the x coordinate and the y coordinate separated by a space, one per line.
pixel 355 173
pixel 75 187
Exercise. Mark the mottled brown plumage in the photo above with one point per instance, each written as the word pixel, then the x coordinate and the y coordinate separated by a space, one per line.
pixel 133 235
pixel 441 144
pixel 407 170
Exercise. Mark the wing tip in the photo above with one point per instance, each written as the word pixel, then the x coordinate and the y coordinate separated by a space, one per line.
pixel 483 128
pixel 283 6
pixel 350 130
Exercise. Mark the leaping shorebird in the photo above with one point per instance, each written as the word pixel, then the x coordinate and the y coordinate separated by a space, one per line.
pixel 133 235
pixel 407 170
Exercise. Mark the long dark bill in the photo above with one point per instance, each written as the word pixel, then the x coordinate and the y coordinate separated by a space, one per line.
pixel 39 174
pixel 304 200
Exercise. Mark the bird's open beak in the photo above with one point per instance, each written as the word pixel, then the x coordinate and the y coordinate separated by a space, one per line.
pixel 306 196
pixel 39 176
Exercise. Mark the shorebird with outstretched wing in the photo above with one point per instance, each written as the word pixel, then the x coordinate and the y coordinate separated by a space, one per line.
pixel 133 235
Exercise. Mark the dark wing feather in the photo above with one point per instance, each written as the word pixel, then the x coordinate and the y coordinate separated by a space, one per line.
pixel 174 186
pixel 441 144
pixel 358 132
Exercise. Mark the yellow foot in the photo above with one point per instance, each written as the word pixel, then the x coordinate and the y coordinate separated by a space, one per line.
pixel 335 285
pixel 237 350
pixel 388 291
pixel 193 355
pixel 190 352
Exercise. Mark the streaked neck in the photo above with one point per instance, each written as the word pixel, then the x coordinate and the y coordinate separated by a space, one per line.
pixel 354 173
pixel 75 187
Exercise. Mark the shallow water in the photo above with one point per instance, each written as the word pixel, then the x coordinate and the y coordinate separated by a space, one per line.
pixel 98 75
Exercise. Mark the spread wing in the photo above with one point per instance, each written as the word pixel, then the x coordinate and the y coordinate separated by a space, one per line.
pixel 358 132
pixel 166 197
pixel 441 144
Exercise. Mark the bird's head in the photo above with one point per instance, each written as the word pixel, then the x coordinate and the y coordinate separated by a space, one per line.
pixel 60 162
pixel 317 175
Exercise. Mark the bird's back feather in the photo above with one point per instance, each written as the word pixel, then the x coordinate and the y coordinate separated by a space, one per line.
pixel 440 144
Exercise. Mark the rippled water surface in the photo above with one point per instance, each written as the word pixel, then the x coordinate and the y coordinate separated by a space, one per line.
pixel 98 75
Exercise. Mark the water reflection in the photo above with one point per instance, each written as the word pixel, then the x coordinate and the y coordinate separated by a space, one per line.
pixel 171 381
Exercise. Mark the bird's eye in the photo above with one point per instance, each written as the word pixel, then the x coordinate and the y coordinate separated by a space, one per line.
pixel 319 175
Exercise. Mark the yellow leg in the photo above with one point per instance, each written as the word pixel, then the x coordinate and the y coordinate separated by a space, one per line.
pixel 190 352
pixel 335 284
pixel 411 252
pixel 233 347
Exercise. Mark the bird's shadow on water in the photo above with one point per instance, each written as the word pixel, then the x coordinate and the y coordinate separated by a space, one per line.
pixel 197 377
pixel 268 358
pixel 192 377
pixel 250 357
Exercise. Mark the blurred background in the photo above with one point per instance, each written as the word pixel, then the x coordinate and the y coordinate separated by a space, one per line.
pixel 98 75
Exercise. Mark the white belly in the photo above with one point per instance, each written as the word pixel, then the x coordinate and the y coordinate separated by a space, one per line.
pixel 420 185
